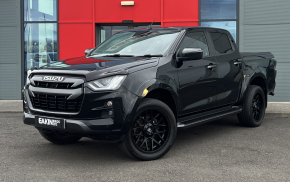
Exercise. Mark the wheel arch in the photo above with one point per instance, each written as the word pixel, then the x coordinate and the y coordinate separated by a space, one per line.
pixel 165 96
pixel 257 79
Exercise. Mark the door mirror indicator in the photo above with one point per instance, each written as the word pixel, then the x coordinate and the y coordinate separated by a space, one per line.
pixel 190 54
pixel 87 51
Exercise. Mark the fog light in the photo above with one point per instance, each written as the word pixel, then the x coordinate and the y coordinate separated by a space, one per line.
pixel 110 113
pixel 109 103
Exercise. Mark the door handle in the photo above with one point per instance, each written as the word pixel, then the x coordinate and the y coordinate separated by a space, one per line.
pixel 211 66
pixel 237 63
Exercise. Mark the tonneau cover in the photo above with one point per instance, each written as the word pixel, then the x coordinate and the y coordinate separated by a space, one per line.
pixel 259 54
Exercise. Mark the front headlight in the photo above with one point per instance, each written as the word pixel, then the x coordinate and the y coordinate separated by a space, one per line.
pixel 28 76
pixel 109 83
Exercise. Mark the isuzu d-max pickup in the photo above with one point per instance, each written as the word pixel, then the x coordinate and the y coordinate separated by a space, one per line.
pixel 139 86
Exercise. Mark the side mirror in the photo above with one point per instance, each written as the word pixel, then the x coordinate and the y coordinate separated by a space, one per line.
pixel 191 54
pixel 87 51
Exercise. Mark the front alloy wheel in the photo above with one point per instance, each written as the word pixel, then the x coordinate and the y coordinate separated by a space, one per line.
pixel 152 133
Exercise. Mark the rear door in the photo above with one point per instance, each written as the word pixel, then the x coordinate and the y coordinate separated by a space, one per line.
pixel 197 82
pixel 229 67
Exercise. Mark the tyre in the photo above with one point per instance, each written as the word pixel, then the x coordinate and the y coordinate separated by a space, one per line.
pixel 254 105
pixel 152 133
pixel 59 139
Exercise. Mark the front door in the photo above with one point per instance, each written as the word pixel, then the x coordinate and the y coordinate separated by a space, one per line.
pixel 197 82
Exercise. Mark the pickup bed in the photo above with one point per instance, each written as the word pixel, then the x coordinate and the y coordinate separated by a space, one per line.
pixel 140 85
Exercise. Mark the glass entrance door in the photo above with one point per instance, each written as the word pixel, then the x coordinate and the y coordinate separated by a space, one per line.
pixel 108 31
pixel 105 31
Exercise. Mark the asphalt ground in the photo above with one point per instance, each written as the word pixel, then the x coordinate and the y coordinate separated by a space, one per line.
pixel 218 151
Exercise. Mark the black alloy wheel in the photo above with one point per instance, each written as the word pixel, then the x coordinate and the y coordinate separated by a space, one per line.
pixel 152 132
pixel 257 106
pixel 254 106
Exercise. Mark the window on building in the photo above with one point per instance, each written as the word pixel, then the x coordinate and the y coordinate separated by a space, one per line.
pixel 40 33
pixel 219 14
pixel 40 44
pixel 221 42
pixel 105 31
pixel 108 31
pixel 40 10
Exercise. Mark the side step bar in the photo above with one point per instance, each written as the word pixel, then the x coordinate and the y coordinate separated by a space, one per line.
pixel 202 120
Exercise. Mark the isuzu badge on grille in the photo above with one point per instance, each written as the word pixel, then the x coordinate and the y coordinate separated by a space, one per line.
pixel 53 78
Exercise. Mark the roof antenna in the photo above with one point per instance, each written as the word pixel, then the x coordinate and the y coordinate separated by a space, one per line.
pixel 150 26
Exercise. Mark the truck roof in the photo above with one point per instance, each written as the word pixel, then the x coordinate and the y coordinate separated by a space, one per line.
pixel 173 28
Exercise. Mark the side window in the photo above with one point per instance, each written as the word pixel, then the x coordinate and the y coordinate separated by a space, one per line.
pixel 221 42
pixel 195 40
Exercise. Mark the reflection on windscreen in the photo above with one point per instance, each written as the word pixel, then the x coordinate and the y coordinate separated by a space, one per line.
pixel 125 43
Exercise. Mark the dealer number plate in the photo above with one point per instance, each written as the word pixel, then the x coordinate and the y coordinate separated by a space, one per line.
pixel 49 122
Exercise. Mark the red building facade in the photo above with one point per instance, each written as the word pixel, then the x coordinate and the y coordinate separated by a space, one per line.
pixel 78 20
pixel 55 30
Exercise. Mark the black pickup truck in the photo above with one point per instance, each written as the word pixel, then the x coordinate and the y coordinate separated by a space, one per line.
pixel 140 85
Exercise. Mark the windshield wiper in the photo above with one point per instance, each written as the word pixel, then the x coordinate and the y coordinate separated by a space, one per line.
pixel 112 55
pixel 151 55
pixel 121 55
pixel 117 55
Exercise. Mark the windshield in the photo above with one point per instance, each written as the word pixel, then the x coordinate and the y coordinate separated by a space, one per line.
pixel 137 43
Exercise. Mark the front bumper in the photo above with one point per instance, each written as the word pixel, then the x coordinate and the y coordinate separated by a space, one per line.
pixel 77 126
pixel 82 128
pixel 90 121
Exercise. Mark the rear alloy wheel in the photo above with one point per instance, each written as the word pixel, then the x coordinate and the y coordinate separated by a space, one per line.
pixel 152 133
pixel 254 105
pixel 257 106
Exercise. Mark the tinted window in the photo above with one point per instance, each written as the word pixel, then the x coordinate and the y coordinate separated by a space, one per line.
pixel 195 40
pixel 221 42
pixel 227 25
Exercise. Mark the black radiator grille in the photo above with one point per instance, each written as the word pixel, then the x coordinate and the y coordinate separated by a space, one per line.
pixel 55 103
pixel 54 85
